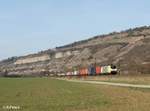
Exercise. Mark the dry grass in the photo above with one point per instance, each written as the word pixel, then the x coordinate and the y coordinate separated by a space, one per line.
pixel 127 99
pixel 132 79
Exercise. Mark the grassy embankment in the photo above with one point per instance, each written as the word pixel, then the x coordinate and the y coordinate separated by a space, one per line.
pixel 46 94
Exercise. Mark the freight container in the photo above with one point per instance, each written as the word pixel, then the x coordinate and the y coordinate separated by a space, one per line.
pixel 72 73
pixel 106 69
pixel 85 71
pixel 98 70
pixel 80 72
pixel 63 74
pixel 76 73
pixel 91 70
pixel 69 73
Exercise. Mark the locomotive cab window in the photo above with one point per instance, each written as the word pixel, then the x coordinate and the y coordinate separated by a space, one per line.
pixel 113 66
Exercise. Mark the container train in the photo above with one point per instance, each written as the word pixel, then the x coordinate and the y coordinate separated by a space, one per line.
pixel 91 71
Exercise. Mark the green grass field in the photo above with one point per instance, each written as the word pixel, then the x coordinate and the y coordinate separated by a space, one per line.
pixel 47 94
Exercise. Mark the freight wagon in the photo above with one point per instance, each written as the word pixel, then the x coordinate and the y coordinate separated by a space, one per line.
pixel 91 71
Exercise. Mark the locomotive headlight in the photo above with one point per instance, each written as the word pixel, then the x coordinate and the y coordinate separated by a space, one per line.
pixel 113 71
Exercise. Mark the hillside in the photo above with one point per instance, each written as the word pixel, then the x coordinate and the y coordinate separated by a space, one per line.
pixel 129 50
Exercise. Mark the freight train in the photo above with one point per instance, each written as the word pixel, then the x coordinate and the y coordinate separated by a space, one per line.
pixel 91 71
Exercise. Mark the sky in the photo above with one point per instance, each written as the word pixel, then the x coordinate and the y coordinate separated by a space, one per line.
pixel 29 26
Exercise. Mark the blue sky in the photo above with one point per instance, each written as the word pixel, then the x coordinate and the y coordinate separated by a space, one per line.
pixel 28 26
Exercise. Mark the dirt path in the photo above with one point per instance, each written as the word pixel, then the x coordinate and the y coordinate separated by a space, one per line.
pixel 111 83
